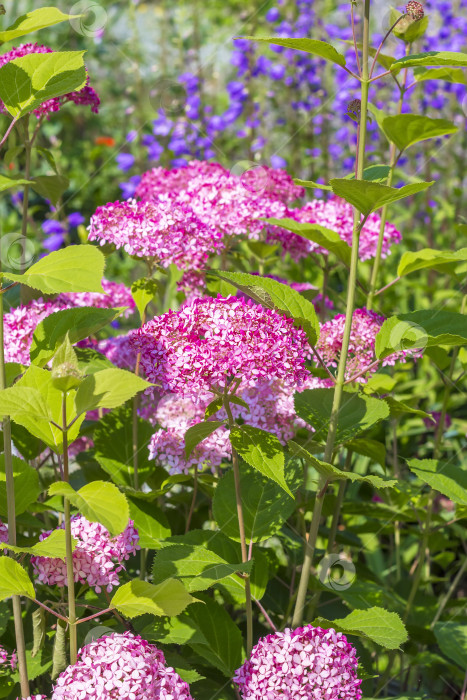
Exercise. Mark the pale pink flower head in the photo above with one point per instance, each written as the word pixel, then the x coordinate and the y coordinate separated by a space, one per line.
pixel 161 181
pixel 86 96
pixel 97 559
pixel 210 342
pixel 114 296
pixel 34 697
pixel 361 358
pixel 20 324
pixel 308 662
pixel 120 666
pixel 165 230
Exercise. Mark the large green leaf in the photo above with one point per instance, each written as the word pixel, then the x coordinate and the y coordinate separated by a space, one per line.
pixel 14 580
pixel 26 482
pixel 357 413
pixel 324 237
pixel 197 433
pixel 431 58
pixel 108 388
pixel 275 295
pixel 139 597
pixel 317 48
pixel 262 451
pixel 452 639
pixel 98 501
pixel 28 81
pixel 334 473
pixel 6 183
pixel 150 521
pixel 371 196
pixel 450 75
pixel 78 268
pixel 54 546
pixel 266 506
pixel 216 637
pixel 197 565
pixel 449 479
pixel 33 21
pixel 51 187
pixel 382 627
pixel 77 323
pixel 444 260
pixel 406 129
pixel 420 329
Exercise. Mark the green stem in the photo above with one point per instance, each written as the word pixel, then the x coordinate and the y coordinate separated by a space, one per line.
pixel 339 385
pixel 337 508
pixel 27 175
pixel 241 528
pixel 449 593
pixel 69 545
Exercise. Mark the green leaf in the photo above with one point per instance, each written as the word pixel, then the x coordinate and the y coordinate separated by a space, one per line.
pixel 143 292
pixel 373 449
pixel 404 130
pixel 78 323
pixel 150 521
pixel 78 268
pixel 197 433
pixel 356 414
pixel 98 501
pixel 449 479
pixel 399 408
pixel 59 656
pixel 452 639
pixel 408 29
pixel 275 295
pixel 38 630
pixel 213 407
pixel 380 626
pixel 371 196
pixel 310 184
pixel 108 388
pixel 50 187
pixel 373 173
pixel 198 567
pixel 6 183
pixel 450 75
pixel 317 48
pixel 54 546
pixel 334 473
pixel 33 22
pixel 431 58
pixel 266 506
pixel 26 482
pixel 139 597
pixel 324 237
pixel 217 638
pixel 262 451
pixel 28 81
pixel 444 260
pixel 420 329
pixel 14 580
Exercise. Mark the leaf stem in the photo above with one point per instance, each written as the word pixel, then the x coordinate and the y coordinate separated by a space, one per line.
pixel 340 379
pixel 69 545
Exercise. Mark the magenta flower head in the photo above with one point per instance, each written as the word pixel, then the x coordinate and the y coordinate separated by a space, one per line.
pixel 211 342
pixel 3 532
pixel 86 96
pixel 415 9
pixel 97 559
pixel 308 662
pixel 115 295
pixel 167 231
pixel 120 666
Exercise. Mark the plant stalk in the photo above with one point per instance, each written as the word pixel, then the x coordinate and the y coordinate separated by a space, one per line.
pixel 69 545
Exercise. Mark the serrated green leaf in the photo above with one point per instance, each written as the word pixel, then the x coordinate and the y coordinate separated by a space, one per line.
pixel 151 523
pixel 317 48
pixel 449 479
pixel 310 184
pixel 405 130
pixel 14 580
pixel 78 268
pixel 28 81
pixel 452 639
pixel 139 597
pixel 324 237
pixel 399 408
pixel 382 627
pixel 33 22
pixel 98 501
pixel 431 58
pixel 26 483
pixel 53 546
pixel 373 449
pixel 428 258
pixel 450 75
pixel 197 433
pixel 262 451
pixel 371 196
pixel 275 295
pixel 213 407
pixel 108 388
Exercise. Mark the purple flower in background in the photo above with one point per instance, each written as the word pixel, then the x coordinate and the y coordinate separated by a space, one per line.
pixel 155 151
pixel 129 188
pixel 278 161
pixel 55 233
pixel 131 136
pixel 125 161
pixel 273 15
pixel 75 219
pixel 162 126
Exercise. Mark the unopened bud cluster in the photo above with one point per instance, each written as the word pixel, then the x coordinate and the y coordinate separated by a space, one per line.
pixel 415 10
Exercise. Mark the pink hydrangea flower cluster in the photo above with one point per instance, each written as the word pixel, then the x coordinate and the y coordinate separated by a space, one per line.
pixel 34 697
pixel 3 532
pixel 86 96
pixel 210 342
pixel 308 662
pixel 97 559
pixel 167 231
pixel 119 351
pixel 115 295
pixel 120 666
pixel 361 355
pixel 336 214
pixel 8 662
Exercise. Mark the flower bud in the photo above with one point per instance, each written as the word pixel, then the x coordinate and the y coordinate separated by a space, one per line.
pixel 2 10
pixel 354 109
pixel 66 376
pixel 415 9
